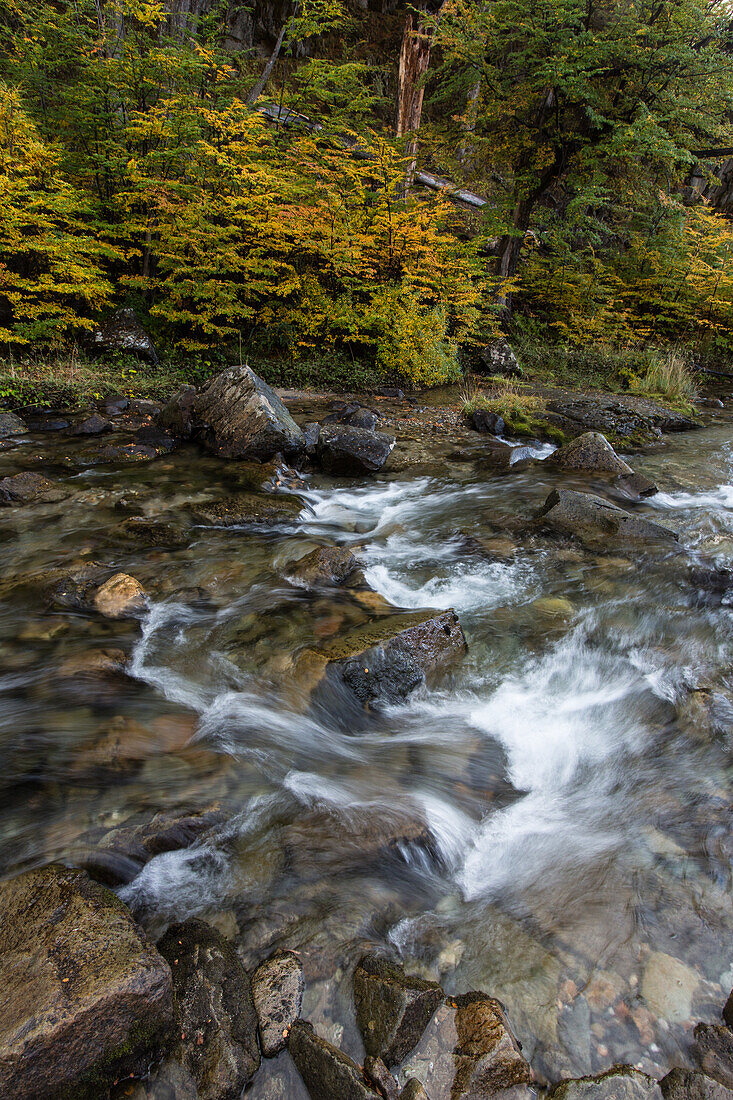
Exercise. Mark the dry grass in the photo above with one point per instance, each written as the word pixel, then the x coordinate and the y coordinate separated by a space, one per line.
pixel 503 396
pixel 668 375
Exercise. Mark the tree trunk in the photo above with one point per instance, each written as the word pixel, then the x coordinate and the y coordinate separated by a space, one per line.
pixel 417 40
pixel 259 87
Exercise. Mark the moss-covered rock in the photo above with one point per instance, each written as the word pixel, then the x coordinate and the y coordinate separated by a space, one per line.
pixel 250 509
pixel 392 1009
pixel 327 1072
pixel 84 997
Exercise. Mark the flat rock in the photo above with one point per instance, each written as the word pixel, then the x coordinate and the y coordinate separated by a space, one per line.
pixel 11 425
pixel 627 417
pixel 595 520
pixel 29 488
pixel 215 1014
pixel 392 1010
pixel 387 659
pixel 84 997
pixel 690 1084
pixel 237 415
pixel 250 509
pixel 327 1072
pixel 93 425
pixel 327 565
pixel 619 1083
pixel 713 1051
pixel 120 597
pixel 278 985
pixel 348 451
pixel 468 1052
pixel 590 451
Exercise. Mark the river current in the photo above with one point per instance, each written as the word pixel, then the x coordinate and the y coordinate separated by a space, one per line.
pixel 548 822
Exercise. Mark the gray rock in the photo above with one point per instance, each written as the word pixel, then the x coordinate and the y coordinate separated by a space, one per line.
pixel 713 1051
pixel 11 425
pixel 626 416
pixel 619 1083
pixel 498 358
pixel 113 406
pixel 29 488
pixel 350 452
pixel 689 1084
pixel 151 435
pixel 327 565
pixel 635 486
pixel 594 520
pixel 364 418
pixel 377 1073
pixel 237 415
pixel 84 997
pixel 387 659
pixel 177 416
pixel 49 425
pixel 311 432
pixel 277 988
pixel 124 333
pixel 468 1052
pixel 590 451
pixel 392 1010
pixel 215 1014
pixel 327 1072
pixel 483 420
pixel 93 425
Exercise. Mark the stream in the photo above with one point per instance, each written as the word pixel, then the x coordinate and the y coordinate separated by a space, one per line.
pixel 550 821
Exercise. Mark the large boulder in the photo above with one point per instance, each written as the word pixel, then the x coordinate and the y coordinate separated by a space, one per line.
pixel 215 1014
pixel 468 1052
pixel 348 451
pixel 594 520
pixel 386 660
pixel 122 332
pixel 237 415
pixel 277 988
pixel 327 1072
pixel 589 451
pixel 497 358
pixel 84 998
pixel 619 1083
pixel 11 425
pixel 392 1010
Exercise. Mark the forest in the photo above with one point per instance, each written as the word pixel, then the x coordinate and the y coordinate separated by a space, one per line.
pixel 380 189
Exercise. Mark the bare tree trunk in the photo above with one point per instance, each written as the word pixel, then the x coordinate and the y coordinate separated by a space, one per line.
pixel 417 41
pixel 259 87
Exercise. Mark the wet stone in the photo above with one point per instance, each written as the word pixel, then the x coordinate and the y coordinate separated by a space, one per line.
pixel 377 1073
pixel 594 520
pixel 215 1015
pixel 728 1011
pixel 619 1083
pixel 590 451
pixel 93 425
pixel 327 1072
pixel 668 986
pixel 49 425
pixel 237 415
pixel 170 1081
pixel 413 1090
pixel 11 425
pixel 28 488
pixel 350 452
pixel 278 985
pixel 689 1084
pixel 483 420
pixel 247 509
pixel 392 1010
pixel 713 1051
pixel 148 532
pixel 468 1052
pixel 327 565
pixel 84 998
pixel 120 597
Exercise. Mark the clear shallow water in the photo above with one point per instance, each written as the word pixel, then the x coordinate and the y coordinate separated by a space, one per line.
pixel 550 822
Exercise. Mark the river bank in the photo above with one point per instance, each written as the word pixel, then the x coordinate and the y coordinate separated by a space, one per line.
pixel 544 817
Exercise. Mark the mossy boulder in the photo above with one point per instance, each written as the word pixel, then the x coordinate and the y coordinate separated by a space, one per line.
pixel 250 509
pixel 327 1072
pixel 84 997
pixel 595 521
pixel 619 1083
pixel 392 1009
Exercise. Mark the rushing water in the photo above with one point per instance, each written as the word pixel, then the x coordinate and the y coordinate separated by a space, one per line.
pixel 550 822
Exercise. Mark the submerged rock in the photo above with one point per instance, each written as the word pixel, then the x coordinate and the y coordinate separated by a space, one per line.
pixel 169 1081
pixel 29 488
pixel 237 415
pixel 392 1010
pixel 123 332
pixel 11 425
pixel 350 452
pixel 246 509
pixel 327 1072
pixel 387 659
pixel 619 1083
pixel 149 533
pixel 413 1090
pixel 690 1084
pixel 120 597
pixel 668 986
pixel 468 1052
pixel 590 451
pixel 277 989
pixel 215 1014
pixel 327 565
pixel 84 998
pixel 594 520
pixel 635 486
pixel 713 1051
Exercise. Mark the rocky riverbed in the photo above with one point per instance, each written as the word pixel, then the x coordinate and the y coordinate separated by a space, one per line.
pixel 350 751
